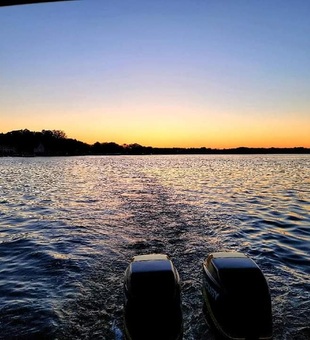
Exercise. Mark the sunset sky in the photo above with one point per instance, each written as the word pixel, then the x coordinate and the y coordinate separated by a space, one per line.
pixel 214 73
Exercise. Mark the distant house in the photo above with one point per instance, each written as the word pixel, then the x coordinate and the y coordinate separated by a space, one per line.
pixel 7 150
pixel 39 150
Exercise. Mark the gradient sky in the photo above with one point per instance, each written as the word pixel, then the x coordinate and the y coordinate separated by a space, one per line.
pixel 191 73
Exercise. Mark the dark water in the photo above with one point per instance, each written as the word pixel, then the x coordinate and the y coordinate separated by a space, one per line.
pixel 68 227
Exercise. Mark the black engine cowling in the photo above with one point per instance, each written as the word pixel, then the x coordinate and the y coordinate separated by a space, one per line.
pixel 236 295
pixel 152 302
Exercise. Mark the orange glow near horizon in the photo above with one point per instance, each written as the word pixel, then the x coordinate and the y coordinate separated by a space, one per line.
pixel 180 128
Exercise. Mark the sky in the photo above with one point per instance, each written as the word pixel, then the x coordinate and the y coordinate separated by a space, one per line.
pixel 213 73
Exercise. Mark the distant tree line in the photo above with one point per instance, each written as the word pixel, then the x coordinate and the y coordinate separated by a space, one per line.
pixel 55 143
pixel 46 142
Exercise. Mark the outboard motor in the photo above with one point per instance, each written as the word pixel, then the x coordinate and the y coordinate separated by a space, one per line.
pixel 152 303
pixel 237 301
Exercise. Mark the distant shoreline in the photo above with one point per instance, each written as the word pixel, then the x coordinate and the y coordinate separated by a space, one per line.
pixel 25 143
pixel 174 151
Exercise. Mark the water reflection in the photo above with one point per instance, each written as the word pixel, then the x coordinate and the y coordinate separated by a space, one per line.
pixel 69 226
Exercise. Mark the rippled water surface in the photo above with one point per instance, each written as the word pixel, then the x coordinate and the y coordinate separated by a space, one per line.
pixel 69 226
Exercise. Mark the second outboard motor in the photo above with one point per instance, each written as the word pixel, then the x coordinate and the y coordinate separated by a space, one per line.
pixel 237 301
pixel 152 303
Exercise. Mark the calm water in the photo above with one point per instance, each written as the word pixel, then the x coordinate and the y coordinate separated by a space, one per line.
pixel 68 227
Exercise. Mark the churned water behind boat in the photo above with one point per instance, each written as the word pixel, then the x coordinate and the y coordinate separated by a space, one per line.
pixel 69 226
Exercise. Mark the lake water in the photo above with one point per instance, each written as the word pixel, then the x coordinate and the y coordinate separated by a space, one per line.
pixel 69 226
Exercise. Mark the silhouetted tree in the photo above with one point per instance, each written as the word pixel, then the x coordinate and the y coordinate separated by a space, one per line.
pixel 59 134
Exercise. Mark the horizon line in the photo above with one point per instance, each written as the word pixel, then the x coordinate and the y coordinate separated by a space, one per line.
pixel 124 145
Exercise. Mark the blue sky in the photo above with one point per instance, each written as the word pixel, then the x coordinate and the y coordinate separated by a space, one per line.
pixel 212 73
